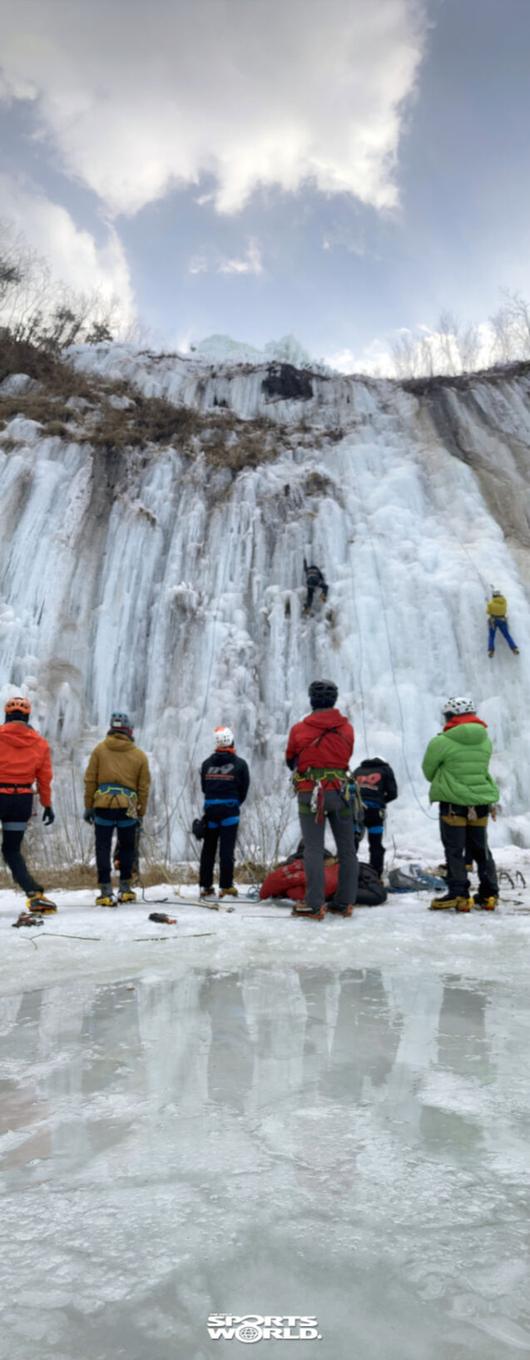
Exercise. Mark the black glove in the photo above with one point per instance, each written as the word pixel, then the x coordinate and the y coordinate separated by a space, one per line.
pixel 48 816
pixel 88 815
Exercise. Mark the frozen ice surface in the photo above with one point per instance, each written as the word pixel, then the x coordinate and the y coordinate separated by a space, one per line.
pixel 264 1116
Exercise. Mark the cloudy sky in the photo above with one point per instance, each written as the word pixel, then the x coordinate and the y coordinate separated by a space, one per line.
pixel 337 169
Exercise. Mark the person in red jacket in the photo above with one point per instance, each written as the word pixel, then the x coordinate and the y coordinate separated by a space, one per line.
pixel 24 759
pixel 319 749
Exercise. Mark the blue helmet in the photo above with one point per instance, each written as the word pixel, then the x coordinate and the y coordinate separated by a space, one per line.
pixel 120 722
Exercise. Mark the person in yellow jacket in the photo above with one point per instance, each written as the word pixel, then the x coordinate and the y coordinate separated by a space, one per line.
pixel 496 610
pixel 117 783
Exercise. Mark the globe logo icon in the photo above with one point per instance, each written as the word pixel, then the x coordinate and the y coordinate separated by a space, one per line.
pixel 248 1333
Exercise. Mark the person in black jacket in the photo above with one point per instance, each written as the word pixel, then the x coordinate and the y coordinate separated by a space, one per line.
pixel 377 787
pixel 315 580
pixel 224 782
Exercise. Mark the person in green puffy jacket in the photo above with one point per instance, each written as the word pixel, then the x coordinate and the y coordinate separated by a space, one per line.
pixel 457 764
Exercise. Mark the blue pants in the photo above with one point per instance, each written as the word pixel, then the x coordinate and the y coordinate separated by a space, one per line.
pixel 502 625
pixel 374 821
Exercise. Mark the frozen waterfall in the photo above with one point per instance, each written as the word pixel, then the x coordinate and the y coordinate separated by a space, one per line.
pixel 155 583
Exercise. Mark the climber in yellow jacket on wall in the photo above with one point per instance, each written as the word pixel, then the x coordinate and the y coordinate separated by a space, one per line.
pixel 497 610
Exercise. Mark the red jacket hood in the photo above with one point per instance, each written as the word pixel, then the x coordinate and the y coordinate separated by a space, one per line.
pixel 25 757
pixel 20 734
pixel 322 718
pixel 463 718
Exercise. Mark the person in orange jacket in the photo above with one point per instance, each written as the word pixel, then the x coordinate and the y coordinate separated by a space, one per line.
pixel 24 759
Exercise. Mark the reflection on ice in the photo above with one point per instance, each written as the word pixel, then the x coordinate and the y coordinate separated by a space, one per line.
pixel 343 1144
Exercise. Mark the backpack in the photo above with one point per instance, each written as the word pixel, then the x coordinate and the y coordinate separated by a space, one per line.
pixel 288 880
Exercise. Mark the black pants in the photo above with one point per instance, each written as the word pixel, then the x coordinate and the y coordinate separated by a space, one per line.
pixel 126 844
pixel 465 838
pixel 116 859
pixel 15 812
pixel 218 834
pixel 374 820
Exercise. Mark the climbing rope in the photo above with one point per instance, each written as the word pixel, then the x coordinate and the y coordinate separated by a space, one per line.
pixel 431 817
pixel 172 811
pixel 460 545
pixel 361 664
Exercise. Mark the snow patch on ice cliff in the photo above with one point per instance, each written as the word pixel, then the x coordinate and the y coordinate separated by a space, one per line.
pixel 145 580
pixel 222 349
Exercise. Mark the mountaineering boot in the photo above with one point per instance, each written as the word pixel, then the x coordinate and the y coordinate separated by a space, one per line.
pixel 491 653
pixel 446 902
pixel 207 894
pixel 485 903
pixel 341 911
pixel 106 896
pixel 515 651
pixel 40 905
pixel 300 909
pixel 126 893
pixel 228 892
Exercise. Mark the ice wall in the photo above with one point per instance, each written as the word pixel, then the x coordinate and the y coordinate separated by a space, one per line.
pixel 150 582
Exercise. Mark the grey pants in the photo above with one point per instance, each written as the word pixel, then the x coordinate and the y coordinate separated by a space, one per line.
pixel 340 817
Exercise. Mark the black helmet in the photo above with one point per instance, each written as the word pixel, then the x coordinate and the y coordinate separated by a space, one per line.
pixel 323 694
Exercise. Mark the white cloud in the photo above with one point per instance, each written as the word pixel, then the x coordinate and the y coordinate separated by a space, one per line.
pixel 250 92
pixel 346 237
pixel 198 265
pixel 414 353
pixel 375 360
pixel 250 264
pixel 74 256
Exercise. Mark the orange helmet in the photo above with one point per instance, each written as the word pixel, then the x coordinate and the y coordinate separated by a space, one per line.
pixel 18 704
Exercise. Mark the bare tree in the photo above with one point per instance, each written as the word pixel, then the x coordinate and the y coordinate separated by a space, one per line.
pixel 511 329
pixel 450 348
pixel 36 308
pixel 404 355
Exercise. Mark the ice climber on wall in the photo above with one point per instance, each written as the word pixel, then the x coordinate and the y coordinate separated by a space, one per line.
pixel 457 764
pixel 315 580
pixel 224 781
pixel 497 609
pixel 117 783
pixel 318 751
pixel 24 759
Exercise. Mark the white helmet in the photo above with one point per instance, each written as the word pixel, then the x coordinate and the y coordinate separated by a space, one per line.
pixel 454 707
pixel 224 738
pixel 495 592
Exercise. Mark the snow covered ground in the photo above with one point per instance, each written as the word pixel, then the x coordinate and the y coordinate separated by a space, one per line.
pixel 261 1116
